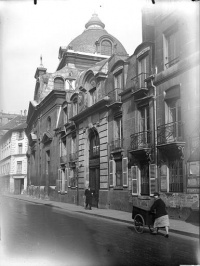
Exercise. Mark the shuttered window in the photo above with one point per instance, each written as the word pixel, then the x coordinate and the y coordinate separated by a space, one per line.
pixel 125 171
pixel 112 179
pixel 135 180
pixel 152 178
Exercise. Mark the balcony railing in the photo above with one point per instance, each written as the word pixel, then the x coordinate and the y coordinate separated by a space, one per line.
pixel 116 145
pixel 139 83
pixel 94 152
pixel 140 140
pixel 169 133
pixel 114 95
pixel 73 156
pixel 172 62
pixel 63 159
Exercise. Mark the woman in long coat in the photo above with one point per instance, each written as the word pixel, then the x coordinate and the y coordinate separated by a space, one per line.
pixel 161 216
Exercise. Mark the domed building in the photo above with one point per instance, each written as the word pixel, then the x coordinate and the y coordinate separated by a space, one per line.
pixel 69 117
pixel 93 45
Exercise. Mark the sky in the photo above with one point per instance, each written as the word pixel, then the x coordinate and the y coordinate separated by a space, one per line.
pixel 28 31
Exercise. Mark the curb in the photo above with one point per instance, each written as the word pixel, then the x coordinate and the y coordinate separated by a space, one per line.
pixel 99 215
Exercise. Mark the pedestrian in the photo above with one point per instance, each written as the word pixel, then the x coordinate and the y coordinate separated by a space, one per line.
pixel 88 195
pixel 161 216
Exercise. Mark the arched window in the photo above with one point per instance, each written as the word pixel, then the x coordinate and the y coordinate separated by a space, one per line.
pixel 94 144
pixel 58 84
pixel 106 47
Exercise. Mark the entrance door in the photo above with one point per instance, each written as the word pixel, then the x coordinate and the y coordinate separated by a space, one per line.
pixel 94 183
pixel 17 186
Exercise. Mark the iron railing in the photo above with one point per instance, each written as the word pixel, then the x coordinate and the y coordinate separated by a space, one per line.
pixel 73 156
pixel 172 62
pixel 116 144
pixel 63 159
pixel 139 81
pixel 114 95
pixel 94 152
pixel 140 140
pixel 170 133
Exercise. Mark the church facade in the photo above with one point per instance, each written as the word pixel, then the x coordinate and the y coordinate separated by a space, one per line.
pixel 123 125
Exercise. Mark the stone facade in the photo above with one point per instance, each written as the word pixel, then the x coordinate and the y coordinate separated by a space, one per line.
pixel 128 125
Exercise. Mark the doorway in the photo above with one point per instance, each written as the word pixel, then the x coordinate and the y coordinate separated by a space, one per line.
pixel 94 183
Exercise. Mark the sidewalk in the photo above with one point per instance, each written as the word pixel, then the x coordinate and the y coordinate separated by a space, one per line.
pixel 176 226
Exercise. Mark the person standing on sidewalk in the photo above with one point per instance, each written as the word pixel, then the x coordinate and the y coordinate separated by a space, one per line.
pixel 88 195
pixel 161 216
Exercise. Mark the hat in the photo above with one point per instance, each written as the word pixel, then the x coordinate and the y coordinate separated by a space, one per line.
pixel 156 194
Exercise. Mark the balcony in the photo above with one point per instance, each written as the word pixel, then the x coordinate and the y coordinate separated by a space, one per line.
pixel 141 145
pixel 115 98
pixel 63 159
pixel 94 152
pixel 172 62
pixel 139 85
pixel 116 145
pixel 140 140
pixel 73 156
pixel 170 138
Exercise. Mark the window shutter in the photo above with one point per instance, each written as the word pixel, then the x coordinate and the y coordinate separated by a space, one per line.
pixel 152 177
pixel 112 180
pixel 66 178
pixel 59 180
pixel 135 180
pixel 125 171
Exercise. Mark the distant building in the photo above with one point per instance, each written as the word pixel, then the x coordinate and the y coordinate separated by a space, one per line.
pixel 13 160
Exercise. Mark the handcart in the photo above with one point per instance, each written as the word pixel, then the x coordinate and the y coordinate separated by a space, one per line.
pixel 141 218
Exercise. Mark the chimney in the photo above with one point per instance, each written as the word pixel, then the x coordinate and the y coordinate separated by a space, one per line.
pixel 25 112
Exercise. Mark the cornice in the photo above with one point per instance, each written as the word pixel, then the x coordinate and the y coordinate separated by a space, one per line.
pixel 91 110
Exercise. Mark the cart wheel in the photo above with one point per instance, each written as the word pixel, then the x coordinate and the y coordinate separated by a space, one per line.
pixel 139 223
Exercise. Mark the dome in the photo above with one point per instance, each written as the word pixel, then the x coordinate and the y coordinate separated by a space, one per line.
pixel 96 40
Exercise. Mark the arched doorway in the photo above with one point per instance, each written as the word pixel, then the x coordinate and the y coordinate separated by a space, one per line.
pixel 94 165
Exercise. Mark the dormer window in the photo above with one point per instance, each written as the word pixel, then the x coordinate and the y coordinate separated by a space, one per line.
pixel 58 83
pixel 106 47
pixel 118 78
pixel 93 96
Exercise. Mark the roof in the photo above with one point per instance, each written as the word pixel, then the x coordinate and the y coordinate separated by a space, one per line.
pixel 14 122
pixel 94 30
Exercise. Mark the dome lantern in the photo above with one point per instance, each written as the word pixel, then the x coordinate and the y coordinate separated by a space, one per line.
pixel 95 22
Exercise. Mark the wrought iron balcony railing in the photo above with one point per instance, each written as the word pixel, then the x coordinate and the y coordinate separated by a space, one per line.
pixel 172 62
pixel 116 145
pixel 94 152
pixel 139 81
pixel 140 140
pixel 169 133
pixel 114 95
pixel 63 159
pixel 73 156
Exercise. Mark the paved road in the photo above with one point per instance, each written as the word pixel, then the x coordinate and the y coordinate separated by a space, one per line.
pixel 41 235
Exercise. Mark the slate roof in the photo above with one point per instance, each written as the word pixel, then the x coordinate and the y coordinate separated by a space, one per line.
pixel 14 122
pixel 85 42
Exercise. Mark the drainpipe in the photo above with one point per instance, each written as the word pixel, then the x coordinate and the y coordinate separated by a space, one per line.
pixel 154 122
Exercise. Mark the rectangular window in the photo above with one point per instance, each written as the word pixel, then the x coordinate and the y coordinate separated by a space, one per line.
pixel 176 176
pixel 143 69
pixel 19 167
pixel 171 49
pixel 93 96
pixel 20 148
pixel 21 135
pixel 75 107
pixel 118 80
pixel 119 181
